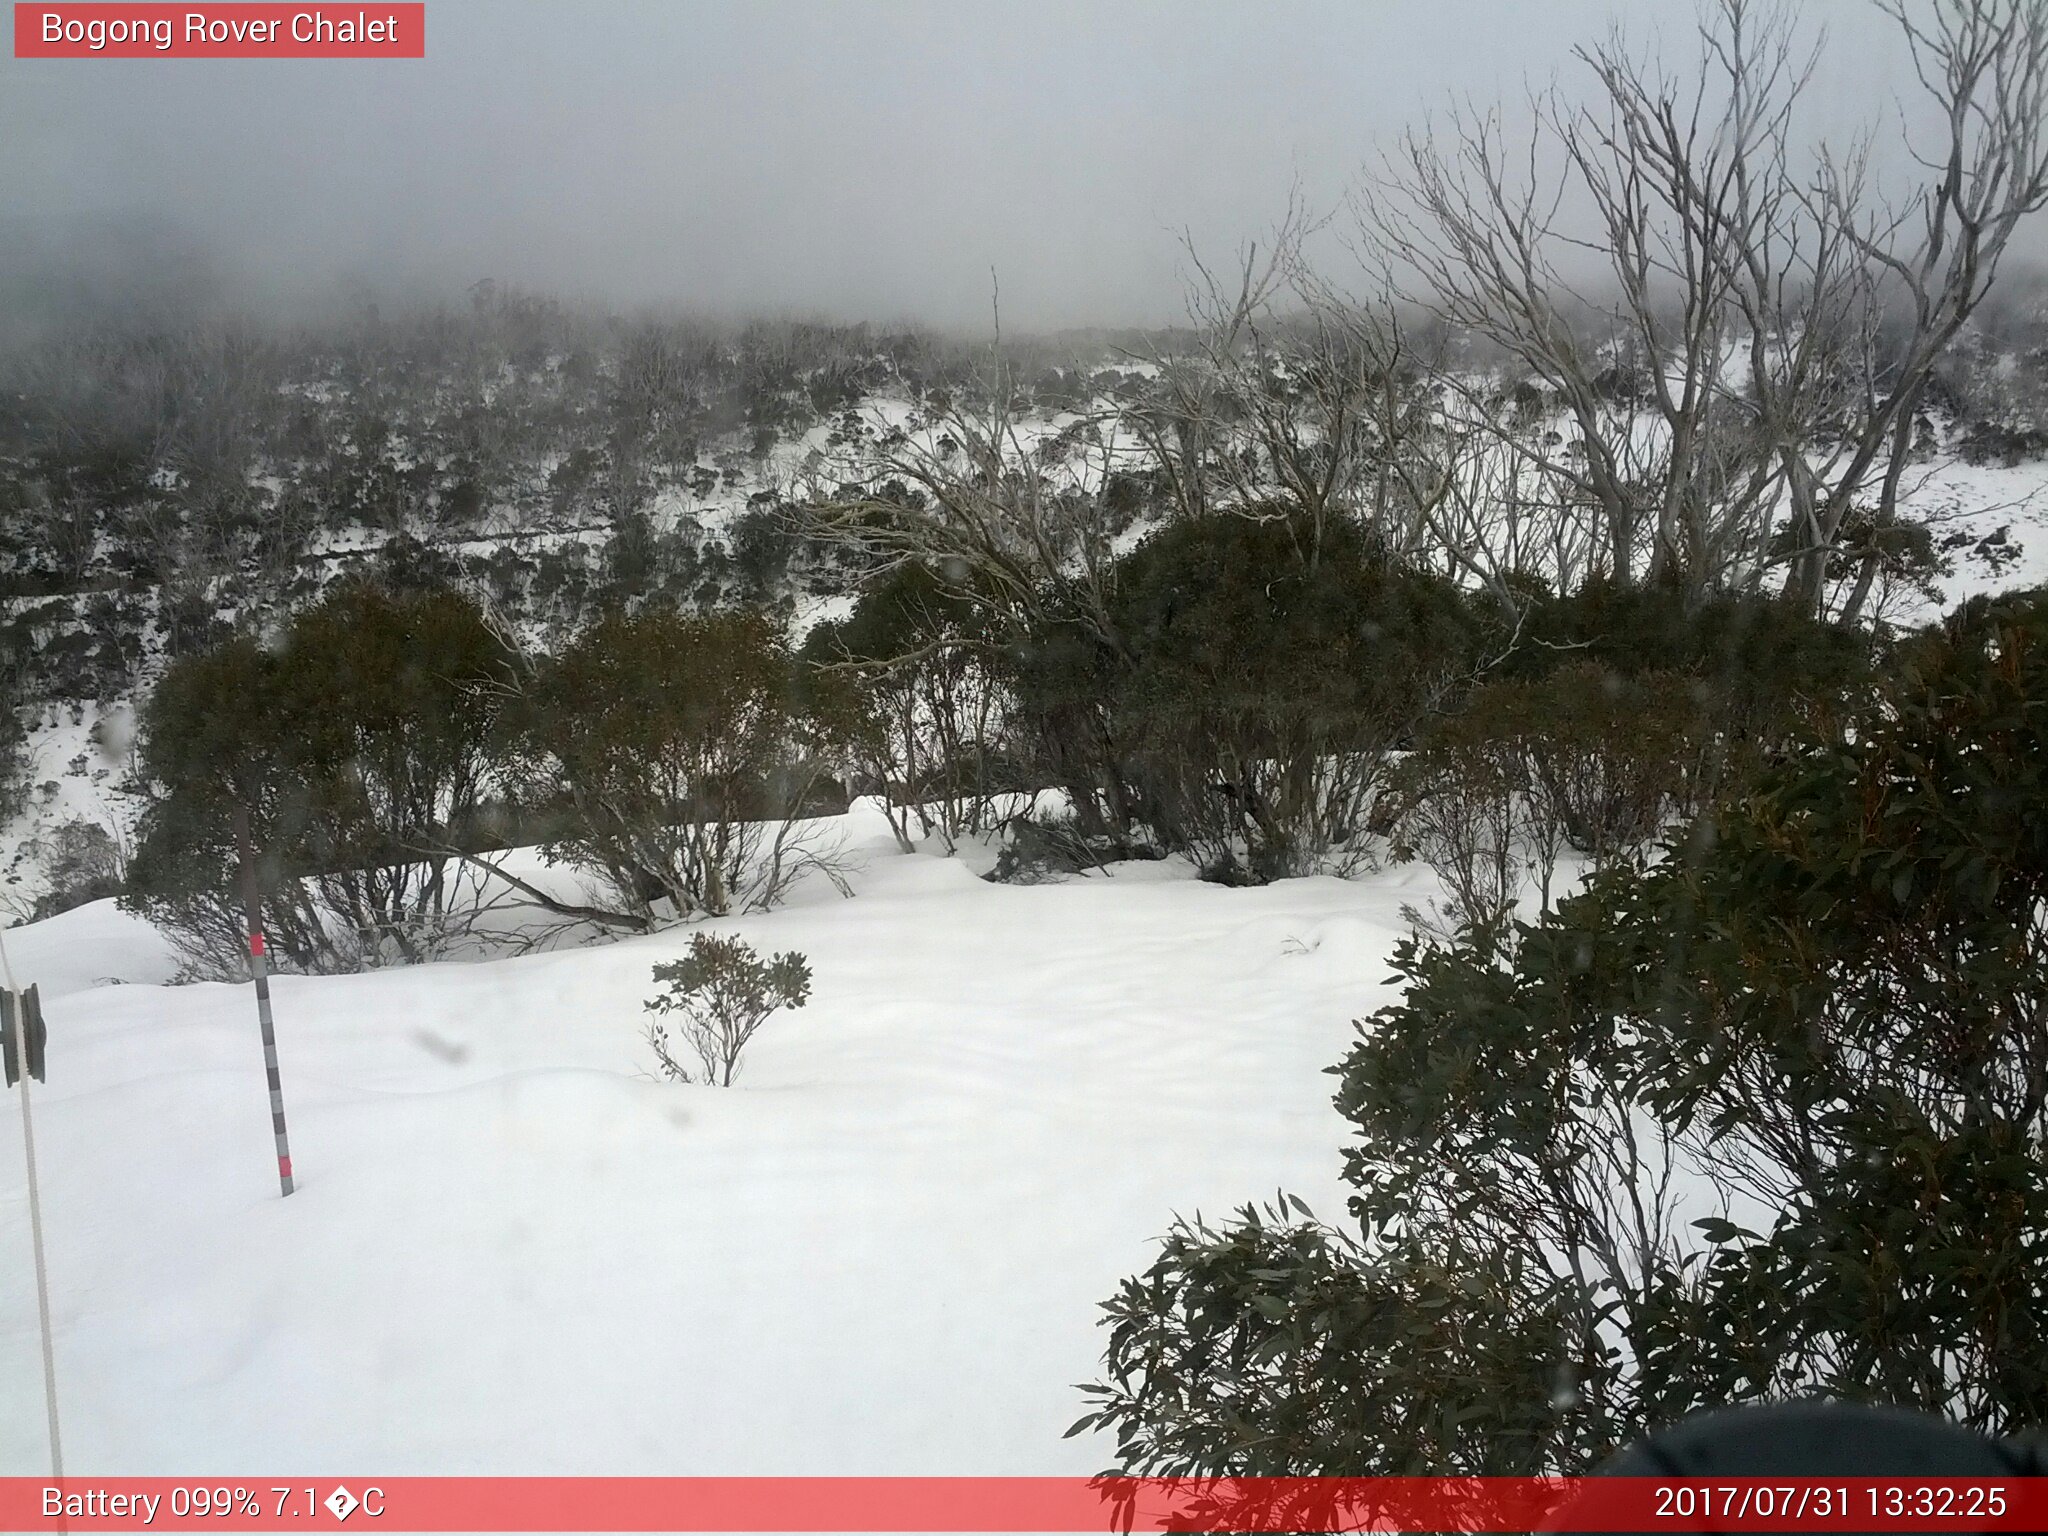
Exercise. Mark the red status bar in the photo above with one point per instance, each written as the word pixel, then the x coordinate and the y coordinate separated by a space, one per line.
pixel 1049 1504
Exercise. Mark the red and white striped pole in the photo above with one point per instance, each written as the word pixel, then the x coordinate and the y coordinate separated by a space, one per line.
pixel 259 972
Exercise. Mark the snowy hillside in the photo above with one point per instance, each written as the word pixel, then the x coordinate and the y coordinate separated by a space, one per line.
pixel 548 486
pixel 512 1251
pixel 1988 521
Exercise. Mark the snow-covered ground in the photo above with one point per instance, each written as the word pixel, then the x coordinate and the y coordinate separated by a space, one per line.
pixel 1993 517
pixel 513 1251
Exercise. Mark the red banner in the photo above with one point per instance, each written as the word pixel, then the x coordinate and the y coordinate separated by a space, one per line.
pixel 102 31
pixel 1009 1504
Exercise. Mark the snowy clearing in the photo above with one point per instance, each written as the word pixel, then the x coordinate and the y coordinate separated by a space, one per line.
pixel 513 1251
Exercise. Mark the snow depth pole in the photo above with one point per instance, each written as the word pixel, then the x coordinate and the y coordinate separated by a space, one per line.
pixel 19 1008
pixel 259 972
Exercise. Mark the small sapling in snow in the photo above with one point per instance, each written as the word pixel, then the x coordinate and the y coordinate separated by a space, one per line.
pixel 724 993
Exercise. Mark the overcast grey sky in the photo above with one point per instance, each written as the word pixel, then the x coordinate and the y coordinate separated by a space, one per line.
pixel 861 158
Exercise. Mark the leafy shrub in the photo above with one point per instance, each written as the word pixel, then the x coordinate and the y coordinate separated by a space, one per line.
pixel 762 545
pixel 630 556
pixel 1616 711
pixel 1583 757
pixel 361 752
pixel 1760 1118
pixel 1459 803
pixel 1059 670
pixel 1262 677
pixel 212 739
pixel 407 565
pixel 1991 442
pixel 672 751
pixel 724 993
pixel 1767 669
pixel 1611 757
pixel 14 758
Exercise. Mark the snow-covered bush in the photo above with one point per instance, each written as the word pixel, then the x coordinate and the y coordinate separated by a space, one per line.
pixel 723 993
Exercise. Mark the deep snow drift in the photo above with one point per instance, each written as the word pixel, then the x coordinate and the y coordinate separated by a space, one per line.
pixel 513 1251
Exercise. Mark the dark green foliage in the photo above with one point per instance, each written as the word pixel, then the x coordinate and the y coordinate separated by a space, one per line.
pixel 762 544
pixel 1611 757
pixel 1265 676
pixel 1766 667
pixel 1583 757
pixel 724 993
pixel 13 737
pixel 212 740
pixel 1989 442
pixel 1896 556
pixel 632 558
pixel 1274 1348
pixel 405 564
pixel 13 765
pixel 1610 712
pixel 1461 802
pixel 1060 668
pixel 393 698
pixel 906 609
pixel 75 647
pixel 1234 694
pixel 360 750
pixel 669 747
pixel 189 615
pixel 1827 995
pixel 1882 902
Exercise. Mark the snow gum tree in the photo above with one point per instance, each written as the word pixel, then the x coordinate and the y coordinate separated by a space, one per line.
pixel 1769 314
